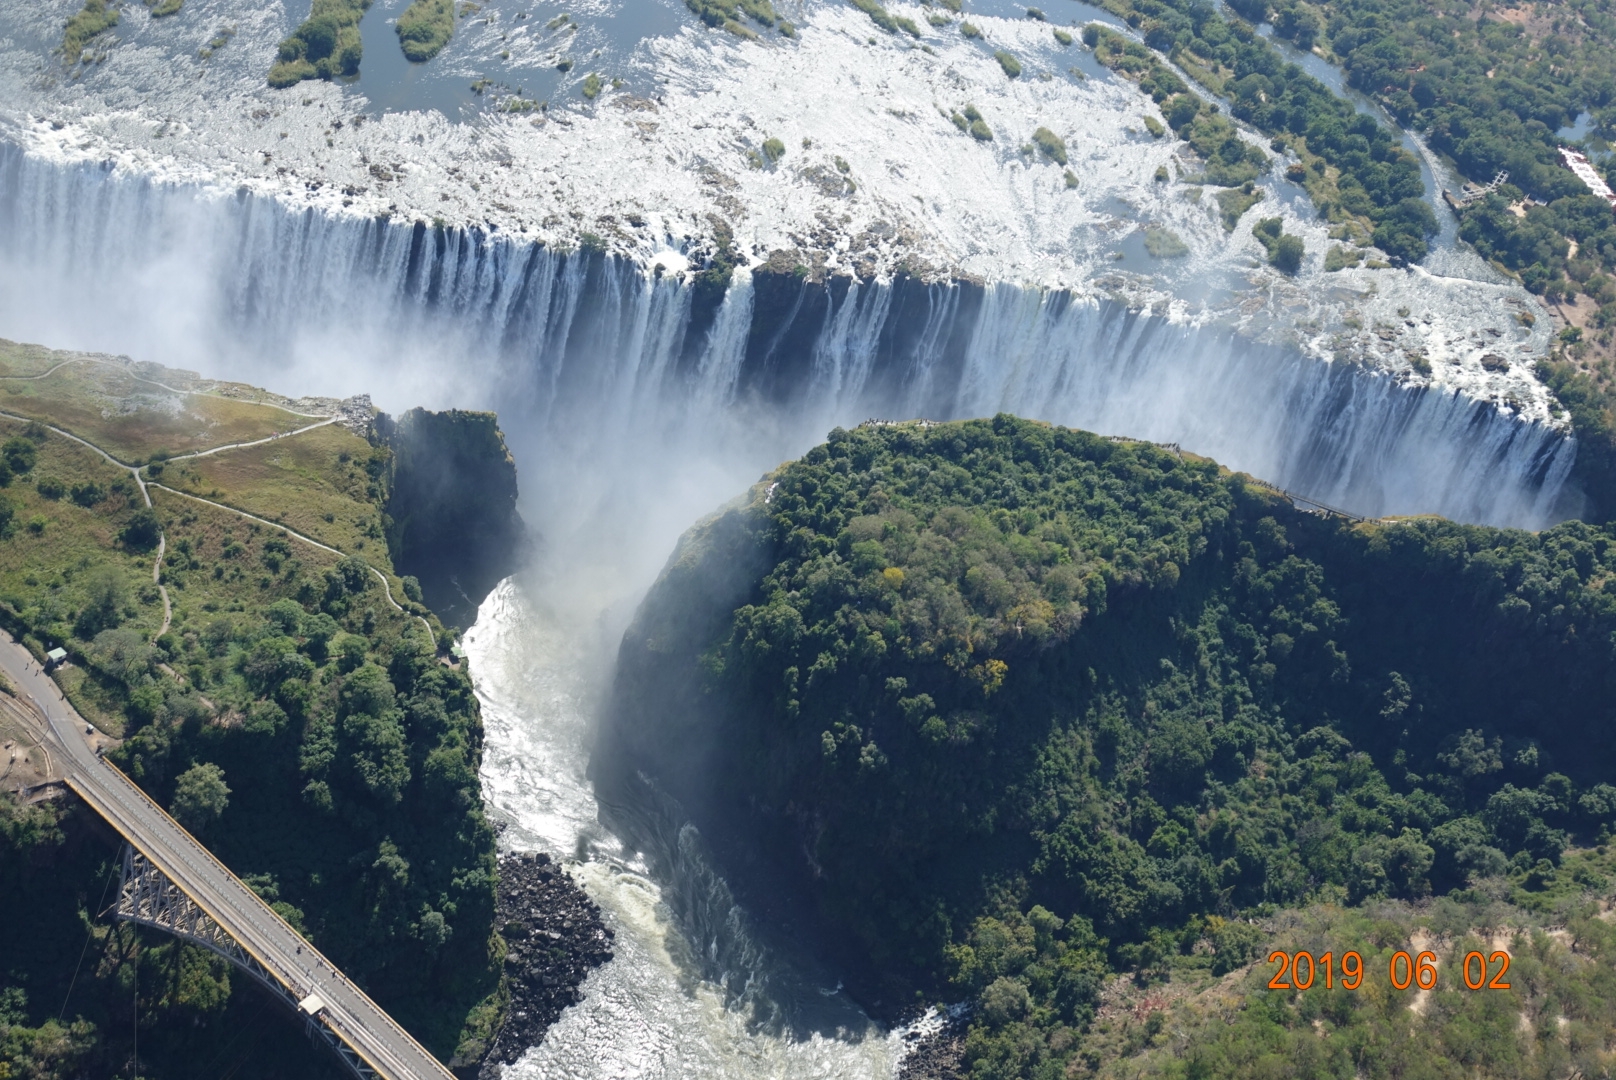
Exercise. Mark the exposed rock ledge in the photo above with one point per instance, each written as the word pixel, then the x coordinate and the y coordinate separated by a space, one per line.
pixel 555 937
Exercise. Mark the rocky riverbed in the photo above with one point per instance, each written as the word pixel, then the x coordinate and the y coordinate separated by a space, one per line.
pixel 555 937
pixel 935 1049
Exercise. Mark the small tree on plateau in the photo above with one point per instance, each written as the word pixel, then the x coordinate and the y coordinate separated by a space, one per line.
pixel 200 796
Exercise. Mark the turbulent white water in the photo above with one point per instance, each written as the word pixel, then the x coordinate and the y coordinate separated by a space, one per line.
pixel 688 994
pixel 591 362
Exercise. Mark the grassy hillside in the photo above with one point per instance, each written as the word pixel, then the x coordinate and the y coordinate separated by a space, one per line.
pixel 296 713
pixel 1022 708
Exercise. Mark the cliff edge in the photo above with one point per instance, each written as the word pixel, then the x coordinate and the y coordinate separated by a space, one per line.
pixel 451 505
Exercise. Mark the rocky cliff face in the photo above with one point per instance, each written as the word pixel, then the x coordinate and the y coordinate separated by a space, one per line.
pixel 452 507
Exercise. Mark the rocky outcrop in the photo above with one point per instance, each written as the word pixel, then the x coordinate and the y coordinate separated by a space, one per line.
pixel 937 1053
pixel 451 504
pixel 554 937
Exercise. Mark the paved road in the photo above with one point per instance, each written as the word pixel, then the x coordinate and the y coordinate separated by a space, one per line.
pixel 352 1016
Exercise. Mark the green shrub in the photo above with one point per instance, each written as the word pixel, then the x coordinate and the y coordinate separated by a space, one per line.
pixel 1052 145
pixel 980 131
pixel 724 13
pixel 878 14
pixel 591 86
pixel 1163 243
pixel 969 30
pixel 773 150
pixel 1287 254
pixel 1340 258
pixel 1234 202
pixel 1156 128
pixel 324 46
pixel 1284 252
pixel 1063 37
pixel 142 531
pixel 88 493
pixel 1012 66
pixel 200 797
pixel 937 19
pixel 1036 13
pixel 960 122
pixel 425 28
pixel 1161 174
pixel 97 16
pixel 908 26
pixel 19 454
pixel 1071 178
pixel 166 8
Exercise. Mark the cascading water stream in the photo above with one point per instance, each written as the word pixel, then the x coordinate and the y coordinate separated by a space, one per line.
pixel 581 354
pixel 634 402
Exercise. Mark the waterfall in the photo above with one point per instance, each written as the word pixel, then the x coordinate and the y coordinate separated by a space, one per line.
pixel 594 364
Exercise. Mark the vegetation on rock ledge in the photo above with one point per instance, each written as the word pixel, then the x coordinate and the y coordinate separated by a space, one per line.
pixel 425 28
pixel 326 45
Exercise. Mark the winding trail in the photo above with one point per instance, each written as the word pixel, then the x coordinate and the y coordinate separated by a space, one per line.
pixel 256 442
pixel 134 471
pixel 387 589
pixel 162 537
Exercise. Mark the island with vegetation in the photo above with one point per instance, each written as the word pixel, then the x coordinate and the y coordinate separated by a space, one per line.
pixel 215 562
pixel 1079 730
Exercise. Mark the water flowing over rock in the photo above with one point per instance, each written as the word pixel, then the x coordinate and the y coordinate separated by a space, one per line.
pixel 591 355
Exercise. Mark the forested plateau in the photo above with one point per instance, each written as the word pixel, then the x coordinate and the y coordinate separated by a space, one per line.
pixel 301 712
pixel 1063 727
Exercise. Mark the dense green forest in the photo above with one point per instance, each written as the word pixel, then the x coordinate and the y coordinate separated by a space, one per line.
pixel 1025 707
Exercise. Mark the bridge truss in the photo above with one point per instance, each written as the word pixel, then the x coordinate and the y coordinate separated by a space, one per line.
pixel 147 897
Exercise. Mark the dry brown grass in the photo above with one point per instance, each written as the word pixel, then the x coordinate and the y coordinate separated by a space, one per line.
pixel 119 409
pixel 314 483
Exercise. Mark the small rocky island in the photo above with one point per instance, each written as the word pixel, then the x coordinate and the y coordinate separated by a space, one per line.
pixel 554 938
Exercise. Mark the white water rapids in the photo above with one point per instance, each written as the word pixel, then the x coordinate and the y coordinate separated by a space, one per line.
pixel 661 1007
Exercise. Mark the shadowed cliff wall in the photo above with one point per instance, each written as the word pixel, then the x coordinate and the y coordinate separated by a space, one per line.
pixel 451 506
